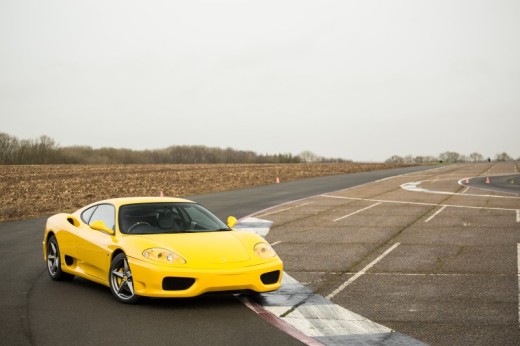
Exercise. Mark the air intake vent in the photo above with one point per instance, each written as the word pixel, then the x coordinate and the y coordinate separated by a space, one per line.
pixel 270 278
pixel 177 283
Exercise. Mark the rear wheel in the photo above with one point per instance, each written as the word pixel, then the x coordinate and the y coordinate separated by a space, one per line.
pixel 121 280
pixel 54 261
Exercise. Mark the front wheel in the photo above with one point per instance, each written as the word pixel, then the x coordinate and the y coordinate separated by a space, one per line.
pixel 54 261
pixel 121 280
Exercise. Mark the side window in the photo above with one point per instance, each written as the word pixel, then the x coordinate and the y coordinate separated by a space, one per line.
pixel 105 213
pixel 85 216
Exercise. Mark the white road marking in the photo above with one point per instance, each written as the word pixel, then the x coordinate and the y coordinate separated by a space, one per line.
pixel 279 211
pixel 518 260
pixel 414 187
pixel 333 323
pixel 418 203
pixel 435 214
pixel 276 243
pixel 254 225
pixel 327 323
pixel 432 274
pixel 362 272
pixel 518 216
pixel 359 211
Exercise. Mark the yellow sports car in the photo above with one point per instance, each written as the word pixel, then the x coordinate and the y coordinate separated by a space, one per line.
pixel 158 247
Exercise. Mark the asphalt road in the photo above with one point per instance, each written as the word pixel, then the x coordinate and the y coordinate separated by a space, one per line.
pixel 244 202
pixel 419 253
pixel 509 184
pixel 38 311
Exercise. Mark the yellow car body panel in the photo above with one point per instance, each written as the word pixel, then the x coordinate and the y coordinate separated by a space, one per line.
pixel 214 260
pixel 148 279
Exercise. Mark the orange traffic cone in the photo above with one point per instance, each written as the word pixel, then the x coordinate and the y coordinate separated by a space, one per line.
pixel 277 180
pixel 487 180
pixel 162 194
pixel 467 181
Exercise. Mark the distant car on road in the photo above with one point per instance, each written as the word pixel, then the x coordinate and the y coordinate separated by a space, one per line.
pixel 158 247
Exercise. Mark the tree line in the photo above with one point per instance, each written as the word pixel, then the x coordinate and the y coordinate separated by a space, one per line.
pixel 44 150
pixel 449 157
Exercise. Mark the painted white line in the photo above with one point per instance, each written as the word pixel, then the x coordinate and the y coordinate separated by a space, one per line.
pixel 418 203
pixel 435 274
pixel 518 216
pixel 410 274
pixel 448 275
pixel 324 321
pixel 354 328
pixel 362 272
pixel 276 243
pixel 254 225
pixel 261 212
pixel 414 187
pixel 359 211
pixel 435 214
pixel 279 211
pixel 518 260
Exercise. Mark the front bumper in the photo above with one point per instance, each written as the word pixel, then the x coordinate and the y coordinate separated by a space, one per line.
pixel 149 279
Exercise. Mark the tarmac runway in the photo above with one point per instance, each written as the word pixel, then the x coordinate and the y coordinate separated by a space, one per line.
pixel 411 250
pixel 420 254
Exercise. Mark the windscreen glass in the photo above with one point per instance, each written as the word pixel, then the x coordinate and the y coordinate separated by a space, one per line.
pixel 156 218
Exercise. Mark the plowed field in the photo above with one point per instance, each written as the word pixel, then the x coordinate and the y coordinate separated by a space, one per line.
pixel 43 190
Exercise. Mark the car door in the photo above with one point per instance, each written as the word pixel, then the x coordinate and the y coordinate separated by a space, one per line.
pixel 92 246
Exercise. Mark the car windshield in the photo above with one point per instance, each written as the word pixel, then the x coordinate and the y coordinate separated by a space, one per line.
pixel 155 218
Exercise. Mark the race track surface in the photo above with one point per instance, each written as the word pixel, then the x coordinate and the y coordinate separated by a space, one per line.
pixel 420 254
pixel 38 311
pixel 412 250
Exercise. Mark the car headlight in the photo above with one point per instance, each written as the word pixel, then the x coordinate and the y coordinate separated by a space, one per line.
pixel 264 250
pixel 163 256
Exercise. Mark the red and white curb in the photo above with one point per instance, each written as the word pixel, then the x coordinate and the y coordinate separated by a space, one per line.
pixel 311 318
pixel 315 320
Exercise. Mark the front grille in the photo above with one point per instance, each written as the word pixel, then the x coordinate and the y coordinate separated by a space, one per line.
pixel 270 278
pixel 177 283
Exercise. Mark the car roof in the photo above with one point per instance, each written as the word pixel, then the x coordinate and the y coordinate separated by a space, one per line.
pixel 136 200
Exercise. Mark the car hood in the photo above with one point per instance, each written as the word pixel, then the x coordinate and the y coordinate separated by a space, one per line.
pixel 205 248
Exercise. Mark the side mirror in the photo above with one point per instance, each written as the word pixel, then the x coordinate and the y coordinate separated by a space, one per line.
pixel 231 221
pixel 99 225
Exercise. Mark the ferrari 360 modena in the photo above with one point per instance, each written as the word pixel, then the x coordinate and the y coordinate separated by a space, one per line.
pixel 158 247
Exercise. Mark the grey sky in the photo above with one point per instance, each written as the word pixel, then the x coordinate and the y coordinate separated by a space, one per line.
pixel 360 80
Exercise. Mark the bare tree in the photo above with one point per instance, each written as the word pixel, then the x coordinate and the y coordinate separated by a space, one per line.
pixel 308 156
pixel 395 159
pixel 476 157
pixel 450 156
pixel 9 147
pixel 503 157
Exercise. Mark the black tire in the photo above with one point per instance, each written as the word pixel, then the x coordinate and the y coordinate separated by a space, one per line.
pixel 54 262
pixel 121 280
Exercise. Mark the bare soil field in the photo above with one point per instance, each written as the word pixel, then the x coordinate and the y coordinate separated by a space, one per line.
pixel 42 190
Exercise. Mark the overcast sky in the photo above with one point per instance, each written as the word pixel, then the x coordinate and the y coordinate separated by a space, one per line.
pixel 360 80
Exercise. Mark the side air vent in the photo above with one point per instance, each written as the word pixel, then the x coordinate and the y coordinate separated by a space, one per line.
pixel 73 221
pixel 69 260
